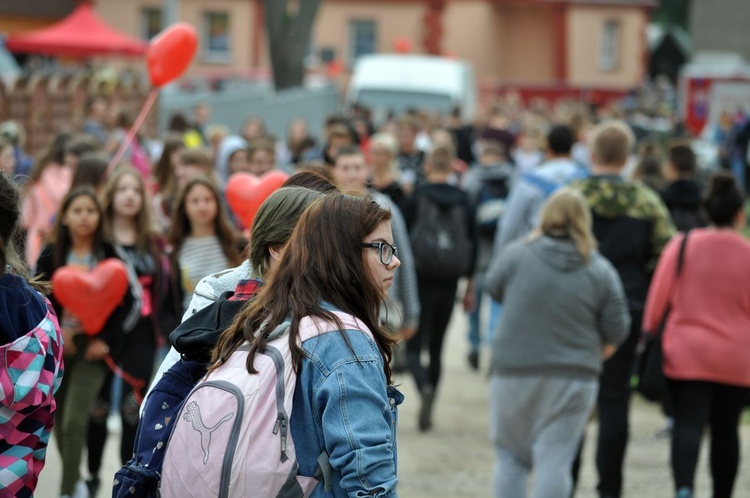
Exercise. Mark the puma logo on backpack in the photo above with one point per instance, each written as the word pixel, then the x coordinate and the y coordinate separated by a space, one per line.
pixel 193 415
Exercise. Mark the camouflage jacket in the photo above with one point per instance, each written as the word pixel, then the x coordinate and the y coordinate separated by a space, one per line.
pixel 632 226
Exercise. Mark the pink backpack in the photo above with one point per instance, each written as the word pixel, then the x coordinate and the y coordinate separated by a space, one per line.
pixel 232 437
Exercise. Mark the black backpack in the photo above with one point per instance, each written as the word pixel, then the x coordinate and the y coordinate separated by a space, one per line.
pixel 440 241
pixel 491 205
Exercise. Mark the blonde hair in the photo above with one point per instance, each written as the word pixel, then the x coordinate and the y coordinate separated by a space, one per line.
pixel 566 214
pixel 611 143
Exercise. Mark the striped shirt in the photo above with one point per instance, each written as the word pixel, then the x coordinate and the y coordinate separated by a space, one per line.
pixel 199 257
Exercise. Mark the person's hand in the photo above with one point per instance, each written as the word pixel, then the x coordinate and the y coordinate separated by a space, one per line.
pixel 96 350
pixel 407 333
pixel 470 297
pixel 69 347
pixel 608 350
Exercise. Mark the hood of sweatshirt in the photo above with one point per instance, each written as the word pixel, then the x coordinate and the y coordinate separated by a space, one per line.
pixel 22 308
pixel 227 147
pixel 443 194
pixel 557 253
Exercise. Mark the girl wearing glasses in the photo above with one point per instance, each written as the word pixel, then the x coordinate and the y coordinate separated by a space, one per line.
pixel 341 259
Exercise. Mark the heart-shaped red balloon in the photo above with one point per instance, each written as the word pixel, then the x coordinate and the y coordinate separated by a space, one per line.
pixel 170 53
pixel 91 296
pixel 246 192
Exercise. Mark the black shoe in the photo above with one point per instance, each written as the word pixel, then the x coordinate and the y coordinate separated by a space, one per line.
pixel 474 360
pixel 93 486
pixel 425 411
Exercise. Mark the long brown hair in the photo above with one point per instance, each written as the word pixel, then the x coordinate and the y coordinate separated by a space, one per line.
pixel 164 169
pixel 10 216
pixel 145 233
pixel 323 263
pixel 61 239
pixel 228 237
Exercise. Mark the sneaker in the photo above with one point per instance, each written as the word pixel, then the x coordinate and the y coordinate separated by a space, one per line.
pixel 474 360
pixel 684 492
pixel 425 411
pixel 81 490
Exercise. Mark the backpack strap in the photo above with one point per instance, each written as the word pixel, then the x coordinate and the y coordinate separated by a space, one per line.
pixel 546 187
pixel 310 327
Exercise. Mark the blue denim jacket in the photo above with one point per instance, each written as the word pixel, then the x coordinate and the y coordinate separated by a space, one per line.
pixel 342 407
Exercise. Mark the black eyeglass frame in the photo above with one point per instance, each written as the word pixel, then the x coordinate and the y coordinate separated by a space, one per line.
pixel 379 246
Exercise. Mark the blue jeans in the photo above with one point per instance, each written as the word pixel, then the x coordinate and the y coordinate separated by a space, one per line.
pixel 475 317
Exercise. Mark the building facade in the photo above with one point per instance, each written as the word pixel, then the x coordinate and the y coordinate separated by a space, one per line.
pixel 540 47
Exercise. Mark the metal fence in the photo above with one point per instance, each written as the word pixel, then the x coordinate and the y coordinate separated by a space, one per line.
pixel 234 104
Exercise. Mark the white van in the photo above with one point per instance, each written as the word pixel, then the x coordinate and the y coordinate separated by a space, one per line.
pixel 393 82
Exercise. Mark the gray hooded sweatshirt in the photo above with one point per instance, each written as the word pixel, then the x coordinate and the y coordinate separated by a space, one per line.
pixel 558 311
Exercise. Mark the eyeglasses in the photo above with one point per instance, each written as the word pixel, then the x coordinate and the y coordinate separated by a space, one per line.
pixel 387 251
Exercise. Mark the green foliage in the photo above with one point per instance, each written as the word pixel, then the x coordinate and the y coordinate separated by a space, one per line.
pixel 673 12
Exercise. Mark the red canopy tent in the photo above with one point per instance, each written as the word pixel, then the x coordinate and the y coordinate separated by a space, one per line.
pixel 80 34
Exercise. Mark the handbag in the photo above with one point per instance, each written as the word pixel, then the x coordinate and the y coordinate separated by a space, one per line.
pixel 650 380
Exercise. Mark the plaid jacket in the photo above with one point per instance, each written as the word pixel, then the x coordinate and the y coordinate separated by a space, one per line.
pixel 31 369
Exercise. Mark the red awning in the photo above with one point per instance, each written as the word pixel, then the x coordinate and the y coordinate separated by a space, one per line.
pixel 82 33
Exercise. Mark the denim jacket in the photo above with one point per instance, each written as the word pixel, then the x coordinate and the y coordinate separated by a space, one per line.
pixel 343 408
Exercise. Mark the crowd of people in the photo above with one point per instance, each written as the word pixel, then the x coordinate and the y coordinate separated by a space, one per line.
pixel 554 218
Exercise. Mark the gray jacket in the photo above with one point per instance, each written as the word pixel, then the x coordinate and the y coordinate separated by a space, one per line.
pixel 558 311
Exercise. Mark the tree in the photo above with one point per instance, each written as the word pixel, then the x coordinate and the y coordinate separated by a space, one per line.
pixel 289 25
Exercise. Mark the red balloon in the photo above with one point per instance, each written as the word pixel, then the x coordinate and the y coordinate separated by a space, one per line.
pixel 402 45
pixel 91 296
pixel 170 53
pixel 246 192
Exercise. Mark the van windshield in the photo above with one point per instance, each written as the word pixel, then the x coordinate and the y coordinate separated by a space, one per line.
pixel 400 101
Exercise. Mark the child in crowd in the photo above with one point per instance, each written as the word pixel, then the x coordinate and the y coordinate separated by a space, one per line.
pixel 78 240
pixel 202 238
pixel 31 363
pixel 127 223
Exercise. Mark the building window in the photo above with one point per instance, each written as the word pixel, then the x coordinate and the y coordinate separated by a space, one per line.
pixel 610 47
pixel 151 23
pixel 363 38
pixel 216 37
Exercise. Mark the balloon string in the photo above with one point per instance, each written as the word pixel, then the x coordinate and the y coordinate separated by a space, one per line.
pixel 132 131
pixel 135 383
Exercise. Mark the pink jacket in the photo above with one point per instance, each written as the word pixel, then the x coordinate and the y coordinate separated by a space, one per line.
pixel 40 206
pixel 707 334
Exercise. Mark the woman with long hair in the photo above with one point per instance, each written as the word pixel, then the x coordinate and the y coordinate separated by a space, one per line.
pixel 340 259
pixel 50 181
pixel 272 227
pixel 202 238
pixel 78 240
pixel 164 182
pixel 127 223
pixel 546 359
pixel 705 338
pixel 30 339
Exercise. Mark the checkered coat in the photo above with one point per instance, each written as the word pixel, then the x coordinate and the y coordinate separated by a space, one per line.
pixel 31 369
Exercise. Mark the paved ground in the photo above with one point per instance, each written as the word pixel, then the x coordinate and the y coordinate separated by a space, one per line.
pixel 455 458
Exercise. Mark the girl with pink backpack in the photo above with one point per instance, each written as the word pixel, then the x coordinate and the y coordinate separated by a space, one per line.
pixel 317 321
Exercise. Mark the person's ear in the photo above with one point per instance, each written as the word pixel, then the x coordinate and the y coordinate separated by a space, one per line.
pixel 276 252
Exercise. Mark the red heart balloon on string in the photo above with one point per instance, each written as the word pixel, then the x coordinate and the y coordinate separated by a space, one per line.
pixel 91 296
pixel 246 192
pixel 170 53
